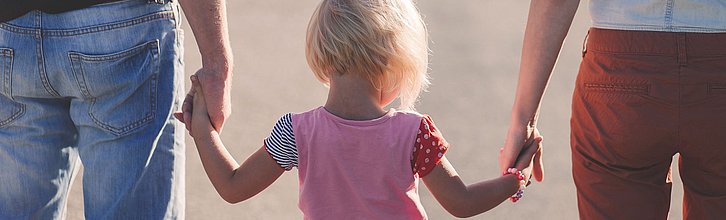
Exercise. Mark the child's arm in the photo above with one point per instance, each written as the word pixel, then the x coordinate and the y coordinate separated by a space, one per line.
pixel 465 201
pixel 233 182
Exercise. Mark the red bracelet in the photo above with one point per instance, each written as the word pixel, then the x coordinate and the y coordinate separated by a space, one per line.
pixel 522 183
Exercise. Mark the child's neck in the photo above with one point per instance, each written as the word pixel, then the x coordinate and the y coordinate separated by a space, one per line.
pixel 353 98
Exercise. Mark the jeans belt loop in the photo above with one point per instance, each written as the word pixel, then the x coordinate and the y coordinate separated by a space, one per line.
pixel 161 2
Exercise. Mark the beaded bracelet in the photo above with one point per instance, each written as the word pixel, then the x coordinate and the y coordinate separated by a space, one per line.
pixel 522 183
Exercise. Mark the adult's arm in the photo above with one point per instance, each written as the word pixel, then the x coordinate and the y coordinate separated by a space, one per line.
pixel 547 26
pixel 208 19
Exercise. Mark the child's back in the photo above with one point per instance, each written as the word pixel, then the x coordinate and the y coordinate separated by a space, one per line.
pixel 357 168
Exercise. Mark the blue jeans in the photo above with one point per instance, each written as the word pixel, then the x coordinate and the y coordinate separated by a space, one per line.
pixel 96 84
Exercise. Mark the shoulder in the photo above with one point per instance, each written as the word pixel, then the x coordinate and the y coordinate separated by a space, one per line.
pixel 306 115
pixel 412 116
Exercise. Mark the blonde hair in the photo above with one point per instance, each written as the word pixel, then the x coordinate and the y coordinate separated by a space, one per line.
pixel 383 40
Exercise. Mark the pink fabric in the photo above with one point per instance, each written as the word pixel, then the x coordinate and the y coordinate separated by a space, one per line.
pixel 357 169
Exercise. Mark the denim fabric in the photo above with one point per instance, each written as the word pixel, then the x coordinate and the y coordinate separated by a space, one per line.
pixel 94 85
pixel 706 16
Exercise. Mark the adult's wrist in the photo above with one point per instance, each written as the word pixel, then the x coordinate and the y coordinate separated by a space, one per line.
pixel 521 127
pixel 523 121
pixel 220 68
pixel 219 60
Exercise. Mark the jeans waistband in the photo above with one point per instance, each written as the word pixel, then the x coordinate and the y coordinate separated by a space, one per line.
pixel 101 14
pixel 680 44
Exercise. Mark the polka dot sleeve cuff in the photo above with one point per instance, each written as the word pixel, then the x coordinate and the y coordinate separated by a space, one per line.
pixel 429 149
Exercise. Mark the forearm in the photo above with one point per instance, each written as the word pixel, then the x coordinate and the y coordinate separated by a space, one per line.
pixel 490 193
pixel 485 195
pixel 235 183
pixel 208 20
pixel 219 165
pixel 547 26
pixel 465 201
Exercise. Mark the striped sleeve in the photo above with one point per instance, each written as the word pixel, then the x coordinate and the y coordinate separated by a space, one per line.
pixel 281 143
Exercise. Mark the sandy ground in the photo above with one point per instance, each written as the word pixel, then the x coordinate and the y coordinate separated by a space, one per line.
pixel 476 48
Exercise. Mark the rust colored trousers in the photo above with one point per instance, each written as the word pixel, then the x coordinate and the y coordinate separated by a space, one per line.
pixel 641 97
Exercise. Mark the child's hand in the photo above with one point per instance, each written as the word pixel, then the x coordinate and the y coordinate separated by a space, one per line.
pixel 525 160
pixel 185 115
pixel 200 122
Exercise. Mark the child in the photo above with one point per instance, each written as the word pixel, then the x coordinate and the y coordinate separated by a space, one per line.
pixel 355 159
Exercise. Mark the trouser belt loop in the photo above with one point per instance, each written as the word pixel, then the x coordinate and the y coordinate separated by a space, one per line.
pixel 682 53
pixel 161 2
pixel 584 43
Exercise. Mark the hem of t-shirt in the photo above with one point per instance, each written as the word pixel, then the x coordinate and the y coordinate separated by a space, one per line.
pixel 283 166
pixel 659 28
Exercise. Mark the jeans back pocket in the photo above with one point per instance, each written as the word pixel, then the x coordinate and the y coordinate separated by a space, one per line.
pixel 10 109
pixel 119 89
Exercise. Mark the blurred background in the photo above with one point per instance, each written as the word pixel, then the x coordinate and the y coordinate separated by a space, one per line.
pixel 473 65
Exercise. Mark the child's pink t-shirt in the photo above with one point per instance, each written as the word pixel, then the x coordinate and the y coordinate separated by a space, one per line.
pixel 357 169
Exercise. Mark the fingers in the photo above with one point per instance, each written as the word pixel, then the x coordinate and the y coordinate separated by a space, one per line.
pixel 187 108
pixel 524 160
pixel 538 171
pixel 196 85
pixel 512 148
pixel 217 97
pixel 200 105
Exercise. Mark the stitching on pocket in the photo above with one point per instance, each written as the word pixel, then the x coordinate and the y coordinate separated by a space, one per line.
pixel 134 125
pixel 154 44
pixel 716 89
pixel 617 88
pixel 76 58
pixel 6 66
pixel 7 69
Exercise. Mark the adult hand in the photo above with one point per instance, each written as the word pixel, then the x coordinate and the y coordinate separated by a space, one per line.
pixel 530 159
pixel 216 95
pixel 521 148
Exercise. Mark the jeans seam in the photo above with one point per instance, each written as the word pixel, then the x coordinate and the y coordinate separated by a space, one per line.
pixel 7 70
pixel 7 64
pixel 38 37
pixel 80 80
pixel 87 30
pixel 14 116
